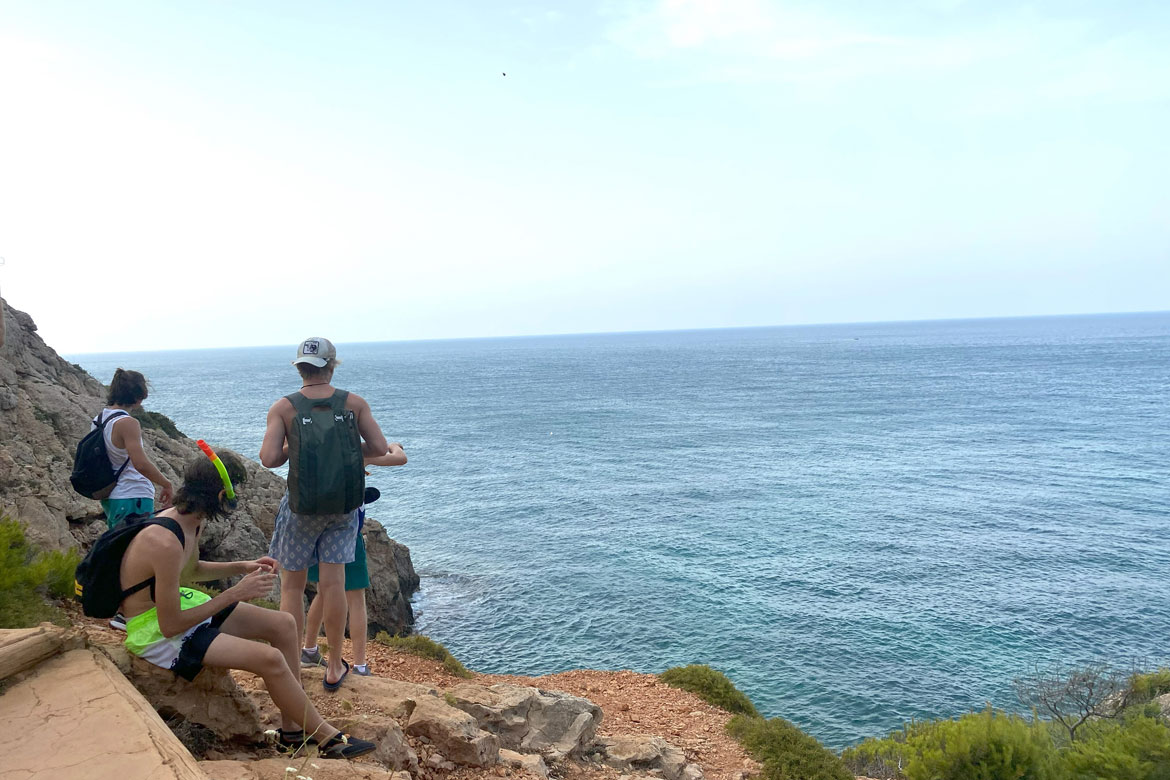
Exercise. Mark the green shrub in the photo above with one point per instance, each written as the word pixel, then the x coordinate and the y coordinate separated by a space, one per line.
pixel 786 752
pixel 1135 748
pixel 711 686
pixel 882 758
pixel 1143 687
pixel 29 576
pixel 158 422
pixel 417 644
pixel 985 745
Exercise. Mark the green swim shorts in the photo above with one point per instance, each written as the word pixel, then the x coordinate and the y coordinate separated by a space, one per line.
pixel 118 509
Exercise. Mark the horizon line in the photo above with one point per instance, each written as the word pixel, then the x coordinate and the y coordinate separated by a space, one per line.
pixel 651 331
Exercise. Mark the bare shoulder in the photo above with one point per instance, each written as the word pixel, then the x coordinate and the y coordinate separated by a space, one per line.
pixel 282 408
pixel 127 424
pixel 155 544
pixel 355 403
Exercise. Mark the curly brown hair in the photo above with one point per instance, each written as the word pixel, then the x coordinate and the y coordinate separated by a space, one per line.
pixel 202 485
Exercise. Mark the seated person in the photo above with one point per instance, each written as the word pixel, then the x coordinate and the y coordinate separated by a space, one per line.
pixel 183 630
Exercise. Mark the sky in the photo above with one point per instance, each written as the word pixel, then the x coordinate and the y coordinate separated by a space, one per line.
pixel 208 174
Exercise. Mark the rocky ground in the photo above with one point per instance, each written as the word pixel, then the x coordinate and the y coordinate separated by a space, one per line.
pixel 633 704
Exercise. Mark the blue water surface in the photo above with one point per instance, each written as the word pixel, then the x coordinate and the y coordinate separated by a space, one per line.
pixel 859 524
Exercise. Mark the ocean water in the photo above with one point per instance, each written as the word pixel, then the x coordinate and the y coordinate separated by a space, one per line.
pixel 859 524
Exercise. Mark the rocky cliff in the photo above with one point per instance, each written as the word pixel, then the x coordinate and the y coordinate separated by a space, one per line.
pixel 46 404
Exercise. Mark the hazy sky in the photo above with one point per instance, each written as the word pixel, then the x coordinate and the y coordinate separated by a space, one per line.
pixel 227 174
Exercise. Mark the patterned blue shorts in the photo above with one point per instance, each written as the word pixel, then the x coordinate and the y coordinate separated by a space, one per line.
pixel 301 541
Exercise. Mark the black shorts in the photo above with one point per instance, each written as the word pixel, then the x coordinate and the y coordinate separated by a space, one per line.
pixel 190 660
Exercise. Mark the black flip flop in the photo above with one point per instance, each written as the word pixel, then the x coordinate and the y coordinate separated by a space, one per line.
pixel 345 746
pixel 331 687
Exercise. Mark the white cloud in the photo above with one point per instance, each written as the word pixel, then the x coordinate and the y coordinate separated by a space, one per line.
pixel 991 64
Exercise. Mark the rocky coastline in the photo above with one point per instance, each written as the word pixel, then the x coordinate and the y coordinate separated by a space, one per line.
pixel 98 707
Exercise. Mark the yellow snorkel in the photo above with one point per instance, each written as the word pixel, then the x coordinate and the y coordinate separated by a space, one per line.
pixel 229 491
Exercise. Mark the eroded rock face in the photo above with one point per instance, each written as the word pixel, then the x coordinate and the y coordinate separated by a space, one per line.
pixel 531 720
pixel 212 699
pixel 392 580
pixel 46 405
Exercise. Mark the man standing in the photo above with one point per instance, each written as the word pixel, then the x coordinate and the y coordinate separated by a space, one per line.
pixel 323 434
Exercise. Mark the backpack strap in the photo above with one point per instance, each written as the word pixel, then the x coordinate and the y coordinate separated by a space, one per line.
pixel 113 416
pixel 305 406
pixel 174 528
pixel 101 425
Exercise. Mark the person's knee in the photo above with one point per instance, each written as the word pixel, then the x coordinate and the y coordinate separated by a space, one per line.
pixel 272 662
pixel 284 626
pixel 332 576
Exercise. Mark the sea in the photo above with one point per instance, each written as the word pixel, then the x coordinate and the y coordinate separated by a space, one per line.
pixel 859 524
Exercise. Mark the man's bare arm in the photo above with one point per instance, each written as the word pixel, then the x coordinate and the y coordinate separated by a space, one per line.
pixel 394 457
pixel 205 571
pixel 273 451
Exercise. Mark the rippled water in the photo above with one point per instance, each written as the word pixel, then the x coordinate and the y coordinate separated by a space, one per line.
pixel 857 523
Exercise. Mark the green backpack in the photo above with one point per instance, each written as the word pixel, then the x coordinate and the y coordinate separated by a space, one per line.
pixel 326 474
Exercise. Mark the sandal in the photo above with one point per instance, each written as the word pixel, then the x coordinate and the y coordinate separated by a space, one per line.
pixel 333 686
pixel 344 746
pixel 291 741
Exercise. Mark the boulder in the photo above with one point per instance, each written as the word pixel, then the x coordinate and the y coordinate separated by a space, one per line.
pixel 531 763
pixel 530 719
pixel 212 699
pixel 647 754
pixel 393 749
pixel 453 732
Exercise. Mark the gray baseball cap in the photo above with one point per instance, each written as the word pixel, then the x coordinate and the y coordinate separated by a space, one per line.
pixel 316 351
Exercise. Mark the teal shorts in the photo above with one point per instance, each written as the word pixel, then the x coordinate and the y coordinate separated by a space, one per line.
pixel 357 575
pixel 118 509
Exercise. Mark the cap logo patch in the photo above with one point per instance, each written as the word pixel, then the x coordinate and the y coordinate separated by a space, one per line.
pixel 311 347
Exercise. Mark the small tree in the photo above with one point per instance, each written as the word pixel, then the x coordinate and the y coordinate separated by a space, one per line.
pixel 1074 696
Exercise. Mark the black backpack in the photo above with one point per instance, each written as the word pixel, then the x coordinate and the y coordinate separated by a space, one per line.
pixel 97 581
pixel 93 476
pixel 326 473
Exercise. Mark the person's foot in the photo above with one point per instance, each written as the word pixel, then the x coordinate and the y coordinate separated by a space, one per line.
pixel 344 746
pixel 362 669
pixel 118 622
pixel 311 657
pixel 333 686
pixel 291 741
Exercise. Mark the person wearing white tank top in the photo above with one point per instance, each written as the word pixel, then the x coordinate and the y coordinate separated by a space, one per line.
pixel 134 493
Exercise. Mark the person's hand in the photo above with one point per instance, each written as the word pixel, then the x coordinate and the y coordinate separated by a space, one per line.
pixel 253 585
pixel 168 492
pixel 263 563
pixel 394 444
